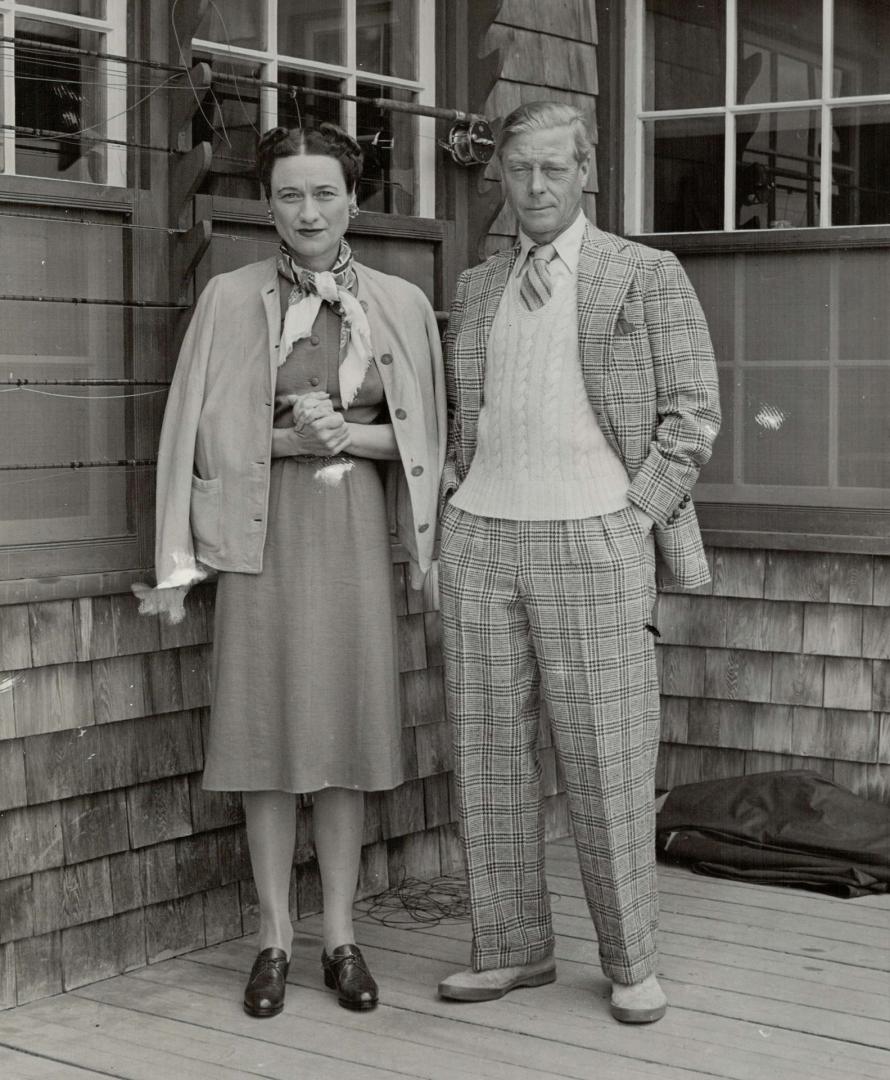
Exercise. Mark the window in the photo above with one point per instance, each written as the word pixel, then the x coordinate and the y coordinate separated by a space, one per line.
pixel 751 114
pixel 64 104
pixel 304 61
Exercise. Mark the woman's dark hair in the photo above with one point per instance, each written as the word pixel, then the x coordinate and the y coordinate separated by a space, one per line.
pixel 327 139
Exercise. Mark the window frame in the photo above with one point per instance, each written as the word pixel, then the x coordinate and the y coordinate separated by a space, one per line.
pixel 271 62
pixel 636 118
pixel 113 28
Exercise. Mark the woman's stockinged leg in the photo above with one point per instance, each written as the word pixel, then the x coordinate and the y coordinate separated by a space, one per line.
pixel 338 824
pixel 271 818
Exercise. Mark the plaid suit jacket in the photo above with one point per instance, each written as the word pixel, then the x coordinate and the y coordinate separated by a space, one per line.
pixel 648 368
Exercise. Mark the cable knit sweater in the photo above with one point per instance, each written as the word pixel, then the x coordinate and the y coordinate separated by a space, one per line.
pixel 540 454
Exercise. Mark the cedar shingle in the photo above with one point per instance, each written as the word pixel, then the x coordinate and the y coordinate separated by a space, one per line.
pixel 194 668
pixel 101 949
pixel 835 733
pixel 133 633
pixel 798 680
pixel 764 625
pixel 566 18
pixel 233 855
pixel 881 594
pixel 38 967
pixel 884 739
pixel 797 575
pixel 682 670
pixel 158 873
pixel 173 928
pixel 413 856
pixel 307 893
pixel 94 628
pixel 118 688
pixel 52 632
pixel 851 579
pixel 222 914
pixel 372 829
pixel 436 800
pixel 738 675
pixel 433 743
pixel 168 745
pixel 451 851
pixel 13 789
pixel 832 629
pixel 422 696
pixel 159 811
pixel 213 809
pixel 402 810
pixel 196 628
pixel 674 719
pixel 847 683
pixel 721 723
pixel 16 909
pixel 71 895
pixel 373 873
pixel 880 701
pixel 876 633
pixel 738 572
pixel 7 976
pixel 411 642
pixel 197 865
pixel 162 682
pixel 30 840
pixel 94 825
pixel 125 871
pixel 69 763
pixel 15 637
pixel 53 699
pixel 771 728
pixel 432 625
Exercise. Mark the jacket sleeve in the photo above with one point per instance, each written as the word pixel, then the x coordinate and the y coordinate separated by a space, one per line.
pixel 687 400
pixel 449 482
pixel 175 560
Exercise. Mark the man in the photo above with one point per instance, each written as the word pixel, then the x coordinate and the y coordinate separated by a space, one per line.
pixel 582 404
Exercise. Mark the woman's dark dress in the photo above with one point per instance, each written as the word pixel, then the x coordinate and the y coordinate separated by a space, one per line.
pixel 305 673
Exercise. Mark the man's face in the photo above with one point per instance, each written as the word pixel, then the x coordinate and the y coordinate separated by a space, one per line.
pixel 543 182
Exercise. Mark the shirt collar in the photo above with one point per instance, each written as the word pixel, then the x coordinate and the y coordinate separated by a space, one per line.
pixel 567 245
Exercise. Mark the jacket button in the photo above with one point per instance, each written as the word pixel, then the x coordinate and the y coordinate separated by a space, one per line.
pixel 363 304
pixel 422 528
pixel 417 470
pixel 314 340
pixel 313 381
pixel 386 358
pixel 400 414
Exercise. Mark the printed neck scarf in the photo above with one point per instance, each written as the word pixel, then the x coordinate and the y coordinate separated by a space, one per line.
pixel 336 287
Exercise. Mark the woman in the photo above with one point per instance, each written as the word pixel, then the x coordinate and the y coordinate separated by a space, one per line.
pixel 299 378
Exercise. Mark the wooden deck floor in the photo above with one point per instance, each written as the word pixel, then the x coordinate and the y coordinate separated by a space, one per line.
pixel 764 984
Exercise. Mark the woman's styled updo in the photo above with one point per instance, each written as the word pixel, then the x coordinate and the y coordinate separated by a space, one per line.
pixel 327 139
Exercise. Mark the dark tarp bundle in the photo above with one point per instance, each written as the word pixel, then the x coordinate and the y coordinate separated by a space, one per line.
pixel 780 828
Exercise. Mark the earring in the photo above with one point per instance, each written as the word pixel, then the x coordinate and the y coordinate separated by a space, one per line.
pixel 353 209
pixel 271 215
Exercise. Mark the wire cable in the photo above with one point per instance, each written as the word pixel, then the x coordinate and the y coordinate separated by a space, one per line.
pixel 413 901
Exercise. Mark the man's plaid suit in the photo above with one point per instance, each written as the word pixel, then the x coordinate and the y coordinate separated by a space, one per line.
pixel 559 608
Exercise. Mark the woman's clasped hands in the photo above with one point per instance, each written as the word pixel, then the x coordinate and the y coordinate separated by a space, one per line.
pixel 318 428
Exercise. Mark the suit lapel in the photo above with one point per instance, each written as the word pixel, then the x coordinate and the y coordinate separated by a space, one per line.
pixel 604 276
pixel 272 305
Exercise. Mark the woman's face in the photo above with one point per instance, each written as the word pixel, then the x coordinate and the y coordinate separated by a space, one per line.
pixel 310 207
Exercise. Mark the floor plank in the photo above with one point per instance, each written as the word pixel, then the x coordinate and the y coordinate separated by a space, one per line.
pixel 763 983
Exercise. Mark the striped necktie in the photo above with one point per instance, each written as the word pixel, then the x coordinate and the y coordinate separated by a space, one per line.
pixel 536 288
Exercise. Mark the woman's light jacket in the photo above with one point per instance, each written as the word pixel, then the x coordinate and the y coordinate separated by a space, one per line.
pixel 216 442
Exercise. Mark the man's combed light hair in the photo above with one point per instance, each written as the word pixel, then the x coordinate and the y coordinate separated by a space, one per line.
pixel 541 116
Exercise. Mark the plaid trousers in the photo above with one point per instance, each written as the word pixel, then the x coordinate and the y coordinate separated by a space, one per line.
pixel 557 608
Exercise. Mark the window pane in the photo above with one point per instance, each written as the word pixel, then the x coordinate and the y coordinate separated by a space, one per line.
pixel 785 305
pixel 313 30
pixel 861 34
pixel 229 120
pixel 385 37
pixel 232 22
pixel 861 166
pixel 786 419
pixel 299 106
pixel 863 431
pixel 687 68
pixel 389 140
pixel 69 103
pixel 780 50
pixel 862 310
pixel 91 9
pixel 684 175
pixel 54 424
pixel 777 171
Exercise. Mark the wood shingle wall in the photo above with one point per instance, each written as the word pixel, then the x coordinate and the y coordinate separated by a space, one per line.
pixel 785 664
pixel 111 853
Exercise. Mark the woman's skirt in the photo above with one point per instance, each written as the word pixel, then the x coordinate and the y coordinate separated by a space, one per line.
pixel 305 670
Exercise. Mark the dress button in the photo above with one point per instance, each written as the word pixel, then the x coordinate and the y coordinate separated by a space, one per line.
pixel 314 340
pixel 386 358
pixel 417 470
pixel 422 528
pixel 400 414
pixel 313 381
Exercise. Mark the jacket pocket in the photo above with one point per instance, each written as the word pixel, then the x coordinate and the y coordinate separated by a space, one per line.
pixel 205 510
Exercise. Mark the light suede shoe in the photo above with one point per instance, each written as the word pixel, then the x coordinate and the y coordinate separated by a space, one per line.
pixel 472 985
pixel 641 1003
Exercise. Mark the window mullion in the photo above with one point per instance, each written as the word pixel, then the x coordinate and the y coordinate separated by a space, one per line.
pixel 825 162
pixel 633 125
pixel 350 112
pixel 729 139
pixel 8 91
